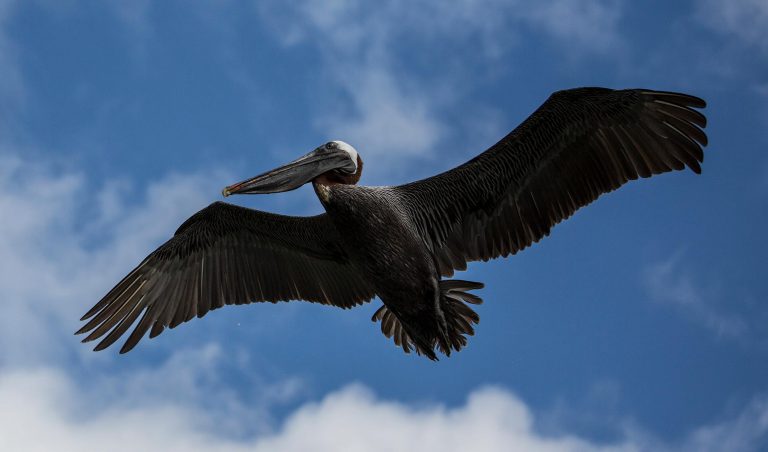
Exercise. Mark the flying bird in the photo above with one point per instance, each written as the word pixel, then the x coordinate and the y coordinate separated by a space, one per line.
pixel 401 243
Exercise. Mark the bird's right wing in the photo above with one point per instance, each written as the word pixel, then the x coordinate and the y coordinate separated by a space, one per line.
pixel 226 254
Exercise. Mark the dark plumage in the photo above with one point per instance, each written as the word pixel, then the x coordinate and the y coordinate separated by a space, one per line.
pixel 397 242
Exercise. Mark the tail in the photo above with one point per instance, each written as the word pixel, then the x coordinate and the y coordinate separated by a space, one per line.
pixel 449 329
pixel 459 317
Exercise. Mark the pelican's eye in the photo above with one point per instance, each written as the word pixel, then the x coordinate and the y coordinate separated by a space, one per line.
pixel 331 145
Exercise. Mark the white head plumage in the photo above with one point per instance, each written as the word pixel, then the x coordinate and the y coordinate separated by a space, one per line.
pixel 349 149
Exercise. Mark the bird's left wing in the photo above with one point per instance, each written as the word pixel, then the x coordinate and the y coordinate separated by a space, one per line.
pixel 225 254
pixel 579 144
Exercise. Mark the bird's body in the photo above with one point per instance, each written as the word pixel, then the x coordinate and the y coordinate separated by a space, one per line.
pixel 401 243
pixel 384 245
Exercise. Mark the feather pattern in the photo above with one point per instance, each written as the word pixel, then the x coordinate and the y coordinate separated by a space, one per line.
pixel 579 144
pixel 223 255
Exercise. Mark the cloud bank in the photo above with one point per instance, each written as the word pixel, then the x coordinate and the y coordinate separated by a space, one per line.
pixel 43 409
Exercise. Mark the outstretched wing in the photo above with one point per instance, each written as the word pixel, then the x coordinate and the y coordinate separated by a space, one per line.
pixel 579 144
pixel 222 255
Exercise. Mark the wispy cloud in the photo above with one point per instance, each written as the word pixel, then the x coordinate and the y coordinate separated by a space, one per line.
pixel 738 56
pixel 583 25
pixel 391 112
pixel 64 242
pixel 747 20
pixel 198 378
pixel 593 414
pixel 669 282
pixel 134 17
pixel 746 431
pixel 383 112
pixel 133 14
pixel 391 122
pixel 12 87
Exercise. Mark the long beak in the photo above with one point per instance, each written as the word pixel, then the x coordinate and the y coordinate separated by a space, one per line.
pixel 294 174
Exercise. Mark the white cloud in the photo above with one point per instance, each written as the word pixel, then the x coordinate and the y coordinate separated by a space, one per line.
pixel 180 405
pixel 390 122
pixel 390 112
pixel 745 19
pixel 746 431
pixel 45 409
pixel 353 419
pixel 669 283
pixel 65 242
pixel 199 379
pixel 384 114
pixel 350 25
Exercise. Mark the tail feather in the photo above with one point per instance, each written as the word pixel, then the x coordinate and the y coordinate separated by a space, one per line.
pixel 459 317
pixel 446 336
pixel 391 327
pixel 459 285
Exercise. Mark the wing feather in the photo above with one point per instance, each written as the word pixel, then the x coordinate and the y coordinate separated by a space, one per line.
pixel 579 144
pixel 223 255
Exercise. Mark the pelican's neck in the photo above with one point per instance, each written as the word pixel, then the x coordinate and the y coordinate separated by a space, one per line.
pixel 322 190
pixel 325 181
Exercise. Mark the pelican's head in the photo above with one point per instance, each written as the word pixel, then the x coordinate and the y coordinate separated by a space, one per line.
pixel 335 162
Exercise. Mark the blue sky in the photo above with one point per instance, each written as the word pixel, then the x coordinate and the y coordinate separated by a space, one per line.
pixel 640 324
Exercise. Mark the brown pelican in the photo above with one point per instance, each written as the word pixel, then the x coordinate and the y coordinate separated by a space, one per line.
pixel 398 243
